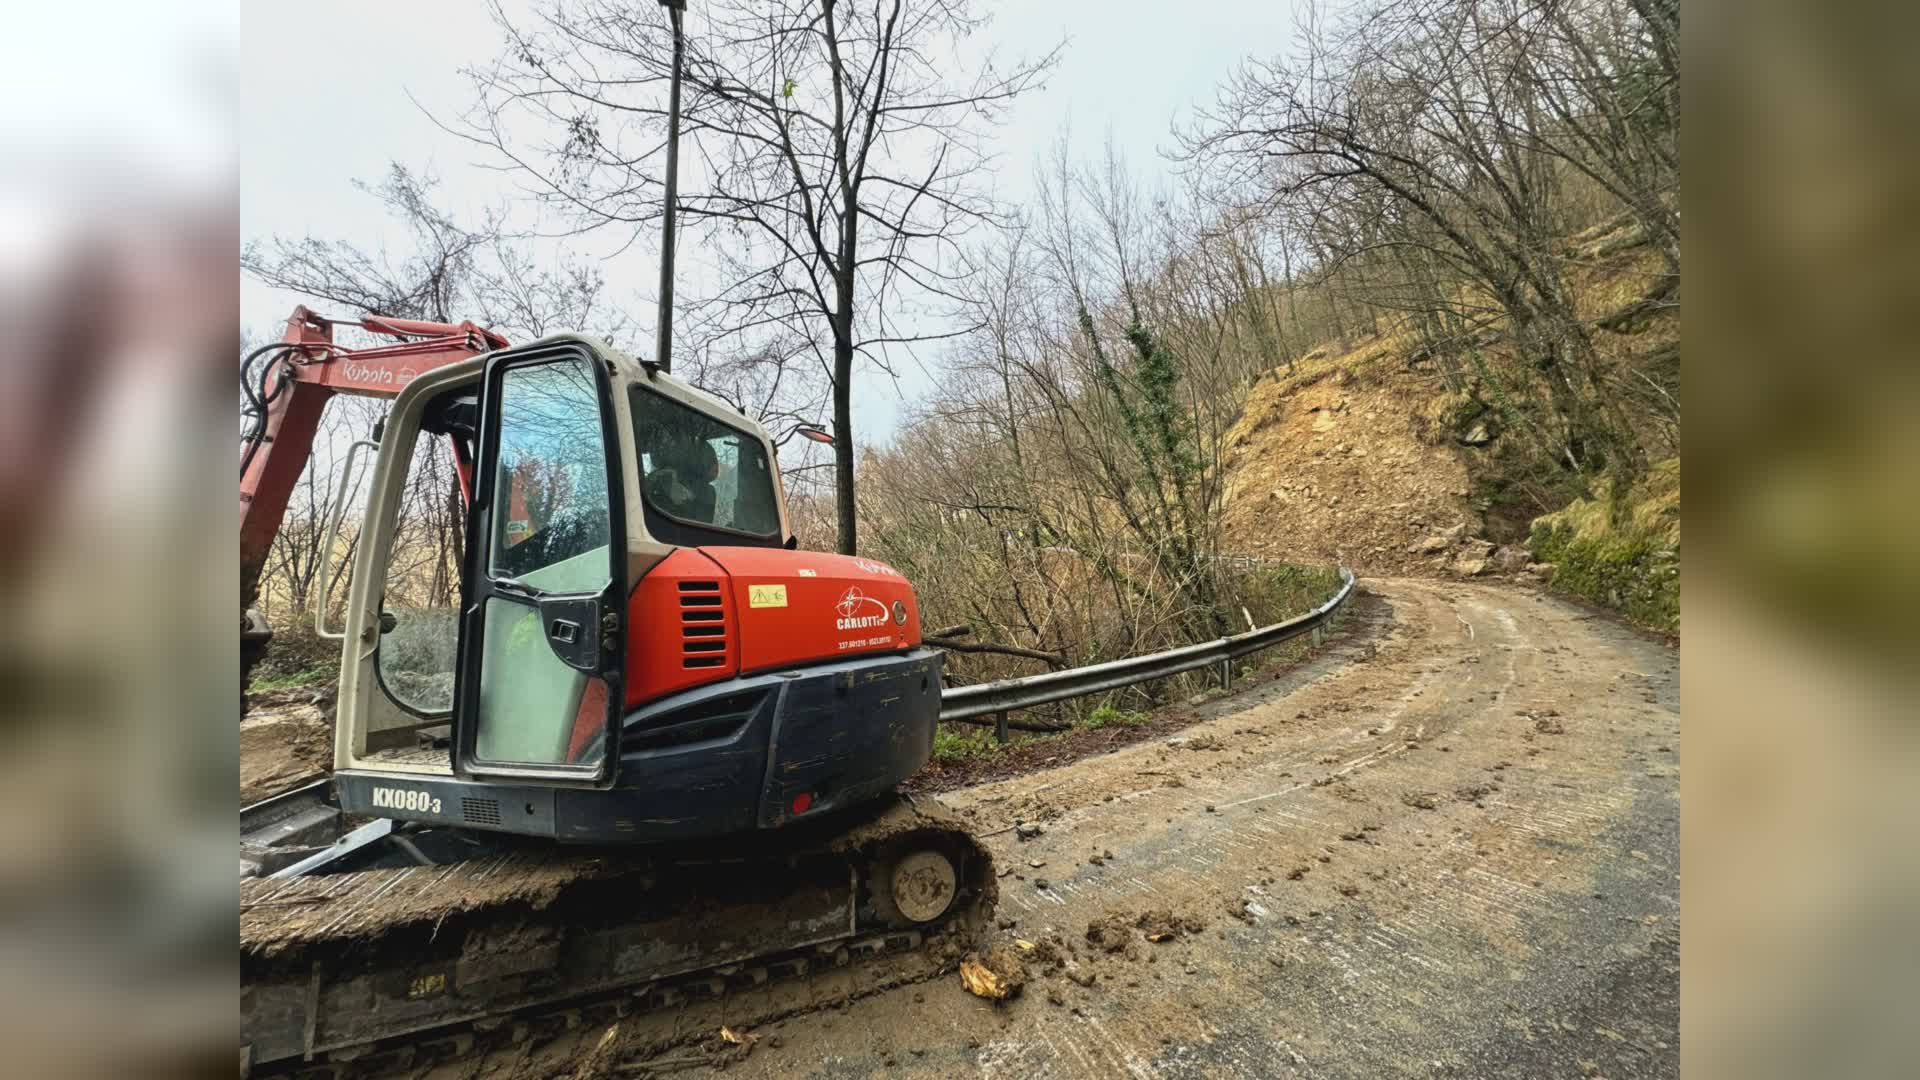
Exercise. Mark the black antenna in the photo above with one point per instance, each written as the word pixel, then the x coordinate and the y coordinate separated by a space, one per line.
pixel 663 348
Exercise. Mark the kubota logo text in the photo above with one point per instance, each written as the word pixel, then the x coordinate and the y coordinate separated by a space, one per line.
pixel 363 373
pixel 854 613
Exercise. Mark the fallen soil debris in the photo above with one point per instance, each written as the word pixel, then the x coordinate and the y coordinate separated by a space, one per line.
pixel 1111 932
pixel 1160 924
pixel 1269 932
pixel 998 976
pixel 1473 793
pixel 286 739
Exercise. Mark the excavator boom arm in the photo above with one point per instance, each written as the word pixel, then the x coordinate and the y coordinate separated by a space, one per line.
pixel 291 389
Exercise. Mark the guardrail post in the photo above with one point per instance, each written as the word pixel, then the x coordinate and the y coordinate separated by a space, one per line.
pixel 1000 728
pixel 1226 674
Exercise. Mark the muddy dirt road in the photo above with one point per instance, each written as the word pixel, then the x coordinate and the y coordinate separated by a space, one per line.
pixel 1448 848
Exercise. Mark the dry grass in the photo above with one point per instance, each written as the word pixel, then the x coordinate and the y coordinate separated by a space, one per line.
pixel 1651 512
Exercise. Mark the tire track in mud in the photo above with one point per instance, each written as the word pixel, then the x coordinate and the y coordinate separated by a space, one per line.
pixel 1419 855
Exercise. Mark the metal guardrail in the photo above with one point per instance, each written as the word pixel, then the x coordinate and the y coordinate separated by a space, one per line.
pixel 1009 695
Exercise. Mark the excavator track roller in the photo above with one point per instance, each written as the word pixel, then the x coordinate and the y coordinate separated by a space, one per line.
pixel 919 886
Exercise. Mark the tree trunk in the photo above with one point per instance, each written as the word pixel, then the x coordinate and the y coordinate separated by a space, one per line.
pixel 843 444
pixel 843 280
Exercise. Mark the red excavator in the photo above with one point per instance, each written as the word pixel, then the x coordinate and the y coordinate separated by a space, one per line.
pixel 640 656
pixel 641 666
pixel 640 652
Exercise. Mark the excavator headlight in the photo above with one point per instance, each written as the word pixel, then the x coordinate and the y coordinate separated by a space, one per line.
pixel 900 612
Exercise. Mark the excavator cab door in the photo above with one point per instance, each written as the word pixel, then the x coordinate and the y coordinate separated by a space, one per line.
pixel 543 621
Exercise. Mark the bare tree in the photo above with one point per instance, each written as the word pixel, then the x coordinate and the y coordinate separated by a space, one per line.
pixel 447 272
pixel 291 573
pixel 511 291
pixel 1062 490
pixel 841 151
pixel 1439 137
pixel 1150 441
pixel 429 281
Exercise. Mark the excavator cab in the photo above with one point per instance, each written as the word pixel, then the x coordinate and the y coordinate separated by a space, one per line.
pixel 634 650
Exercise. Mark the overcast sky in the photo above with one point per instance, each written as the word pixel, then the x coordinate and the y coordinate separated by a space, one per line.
pixel 326 101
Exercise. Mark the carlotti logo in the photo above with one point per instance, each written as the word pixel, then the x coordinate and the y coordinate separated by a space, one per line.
pixel 858 611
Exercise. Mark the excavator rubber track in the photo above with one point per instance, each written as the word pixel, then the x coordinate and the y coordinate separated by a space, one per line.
pixel 373 972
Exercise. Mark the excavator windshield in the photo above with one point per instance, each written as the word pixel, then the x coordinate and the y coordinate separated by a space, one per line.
pixel 552 473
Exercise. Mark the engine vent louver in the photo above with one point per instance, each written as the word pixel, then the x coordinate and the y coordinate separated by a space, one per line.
pixel 703 625
pixel 480 811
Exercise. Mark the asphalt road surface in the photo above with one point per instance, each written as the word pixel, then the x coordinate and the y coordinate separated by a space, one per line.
pixel 1449 847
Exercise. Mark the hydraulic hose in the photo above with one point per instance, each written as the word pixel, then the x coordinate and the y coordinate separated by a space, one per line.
pixel 259 396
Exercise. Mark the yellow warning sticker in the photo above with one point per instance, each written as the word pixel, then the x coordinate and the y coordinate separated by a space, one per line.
pixel 766 596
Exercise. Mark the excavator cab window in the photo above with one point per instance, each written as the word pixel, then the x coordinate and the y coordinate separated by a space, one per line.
pixel 420 603
pixel 703 481
pixel 538 637
pixel 420 599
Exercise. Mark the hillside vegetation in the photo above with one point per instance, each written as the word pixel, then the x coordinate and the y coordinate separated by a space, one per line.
pixel 1367 456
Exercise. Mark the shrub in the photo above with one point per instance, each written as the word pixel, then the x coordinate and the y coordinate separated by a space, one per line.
pixel 1106 714
pixel 297 657
pixel 952 744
